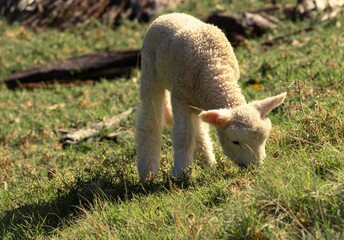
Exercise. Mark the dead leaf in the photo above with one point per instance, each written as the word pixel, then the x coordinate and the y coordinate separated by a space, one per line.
pixel 338 24
pixel 56 106
pixel 257 86
pixel 297 43
pixel 7 105
pixel 17 33
pixel 26 105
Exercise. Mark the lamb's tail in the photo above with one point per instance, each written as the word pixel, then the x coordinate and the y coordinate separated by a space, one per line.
pixel 168 109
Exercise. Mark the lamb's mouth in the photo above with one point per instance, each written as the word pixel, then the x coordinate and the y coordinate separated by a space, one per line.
pixel 247 165
pixel 234 159
pixel 244 165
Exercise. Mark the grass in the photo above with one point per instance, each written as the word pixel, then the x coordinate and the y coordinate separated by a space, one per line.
pixel 92 191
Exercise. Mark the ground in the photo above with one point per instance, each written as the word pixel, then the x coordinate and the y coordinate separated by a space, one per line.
pixel 92 190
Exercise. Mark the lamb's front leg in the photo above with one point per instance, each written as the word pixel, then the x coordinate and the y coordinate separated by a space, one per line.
pixel 183 135
pixel 148 130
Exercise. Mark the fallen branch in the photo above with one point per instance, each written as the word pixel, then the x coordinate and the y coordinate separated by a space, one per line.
pixel 312 8
pixel 277 39
pixel 118 134
pixel 67 13
pixel 72 137
pixel 91 66
pixel 239 26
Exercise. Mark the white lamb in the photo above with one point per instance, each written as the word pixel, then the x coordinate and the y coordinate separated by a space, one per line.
pixel 191 65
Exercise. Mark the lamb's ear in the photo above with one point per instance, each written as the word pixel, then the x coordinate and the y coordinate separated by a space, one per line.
pixel 218 117
pixel 266 105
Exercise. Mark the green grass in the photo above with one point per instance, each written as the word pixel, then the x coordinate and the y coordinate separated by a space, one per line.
pixel 92 191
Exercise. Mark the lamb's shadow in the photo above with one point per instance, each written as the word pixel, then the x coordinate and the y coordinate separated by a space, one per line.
pixel 80 195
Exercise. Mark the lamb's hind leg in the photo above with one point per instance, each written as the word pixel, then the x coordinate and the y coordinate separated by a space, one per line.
pixel 168 110
pixel 148 130
pixel 204 146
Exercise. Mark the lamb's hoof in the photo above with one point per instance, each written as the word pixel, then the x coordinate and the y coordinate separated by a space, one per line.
pixel 207 161
pixel 150 176
pixel 210 163
pixel 183 173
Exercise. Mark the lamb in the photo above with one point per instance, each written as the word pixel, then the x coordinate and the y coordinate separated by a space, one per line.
pixel 189 68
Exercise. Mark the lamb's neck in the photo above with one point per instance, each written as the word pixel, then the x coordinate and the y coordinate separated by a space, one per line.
pixel 224 74
pixel 230 96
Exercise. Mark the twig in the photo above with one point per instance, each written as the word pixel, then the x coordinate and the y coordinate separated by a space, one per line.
pixel 292 215
pixel 285 36
pixel 300 97
pixel 315 144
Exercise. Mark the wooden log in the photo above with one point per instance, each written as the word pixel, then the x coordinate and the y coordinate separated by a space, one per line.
pixel 312 8
pixel 239 26
pixel 64 14
pixel 86 67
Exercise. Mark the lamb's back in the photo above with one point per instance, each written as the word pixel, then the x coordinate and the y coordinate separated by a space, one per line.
pixel 190 54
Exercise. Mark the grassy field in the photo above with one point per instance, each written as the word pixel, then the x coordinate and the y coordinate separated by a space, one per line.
pixel 91 190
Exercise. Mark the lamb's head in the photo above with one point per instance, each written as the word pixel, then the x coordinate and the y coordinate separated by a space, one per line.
pixel 243 130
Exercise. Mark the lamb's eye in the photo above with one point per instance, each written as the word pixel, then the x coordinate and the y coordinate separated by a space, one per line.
pixel 235 142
